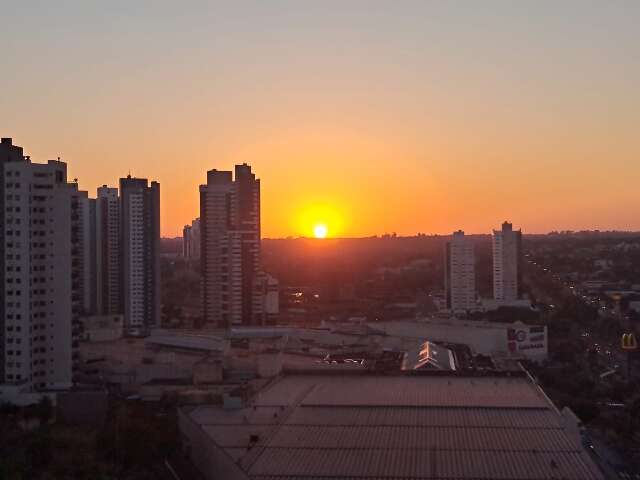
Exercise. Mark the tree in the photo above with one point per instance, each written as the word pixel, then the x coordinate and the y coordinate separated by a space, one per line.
pixel 44 410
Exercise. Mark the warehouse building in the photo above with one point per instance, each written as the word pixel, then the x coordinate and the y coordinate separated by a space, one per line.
pixel 420 426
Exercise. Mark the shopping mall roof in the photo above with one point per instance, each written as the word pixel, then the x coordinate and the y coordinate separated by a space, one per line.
pixel 200 343
pixel 405 426
pixel 430 356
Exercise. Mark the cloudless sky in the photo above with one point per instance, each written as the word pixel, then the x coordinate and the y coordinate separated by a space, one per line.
pixel 405 116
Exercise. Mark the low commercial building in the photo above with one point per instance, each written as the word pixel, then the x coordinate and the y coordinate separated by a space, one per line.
pixel 420 426
pixel 513 340
pixel 433 357
pixel 102 328
pixel 160 359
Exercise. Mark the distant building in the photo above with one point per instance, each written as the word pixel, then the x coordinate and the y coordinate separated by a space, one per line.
pixel 140 253
pixel 230 252
pixel 603 264
pixel 459 274
pixel 83 247
pixel 108 252
pixel 507 263
pixel 41 270
pixel 498 340
pixel 270 290
pixel 191 240
pixel 102 328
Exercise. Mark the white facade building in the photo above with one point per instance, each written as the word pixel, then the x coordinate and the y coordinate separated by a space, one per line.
pixel 507 263
pixel 140 244
pixel 40 271
pixel 460 274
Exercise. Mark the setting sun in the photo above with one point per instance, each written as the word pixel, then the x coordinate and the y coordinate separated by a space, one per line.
pixel 320 220
pixel 320 231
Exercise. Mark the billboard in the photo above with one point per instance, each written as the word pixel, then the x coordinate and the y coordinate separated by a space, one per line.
pixel 527 340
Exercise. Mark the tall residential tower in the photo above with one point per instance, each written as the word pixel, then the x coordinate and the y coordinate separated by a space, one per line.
pixel 41 270
pixel 108 262
pixel 459 274
pixel 140 253
pixel 230 248
pixel 507 263
pixel 191 240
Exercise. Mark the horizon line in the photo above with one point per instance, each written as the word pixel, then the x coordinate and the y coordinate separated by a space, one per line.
pixel 420 234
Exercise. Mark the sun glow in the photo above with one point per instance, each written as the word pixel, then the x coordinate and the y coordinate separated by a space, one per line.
pixel 320 230
pixel 319 221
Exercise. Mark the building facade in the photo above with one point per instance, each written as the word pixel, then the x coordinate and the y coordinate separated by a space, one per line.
pixel 140 254
pixel 83 244
pixel 507 263
pixel 108 261
pixel 270 294
pixel 41 271
pixel 230 248
pixel 191 240
pixel 459 273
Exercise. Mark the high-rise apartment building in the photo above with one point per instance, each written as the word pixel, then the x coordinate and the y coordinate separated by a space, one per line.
pixel 41 270
pixel 459 273
pixel 191 240
pixel 507 263
pixel 107 252
pixel 83 246
pixel 232 287
pixel 140 253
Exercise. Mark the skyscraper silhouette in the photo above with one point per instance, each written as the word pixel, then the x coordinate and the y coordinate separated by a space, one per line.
pixel 230 248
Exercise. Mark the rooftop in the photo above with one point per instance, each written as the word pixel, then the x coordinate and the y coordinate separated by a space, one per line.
pixel 201 343
pixel 405 426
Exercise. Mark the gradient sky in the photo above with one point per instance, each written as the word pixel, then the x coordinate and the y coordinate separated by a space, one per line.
pixel 392 116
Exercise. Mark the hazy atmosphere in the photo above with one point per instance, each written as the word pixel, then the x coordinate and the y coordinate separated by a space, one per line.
pixel 371 117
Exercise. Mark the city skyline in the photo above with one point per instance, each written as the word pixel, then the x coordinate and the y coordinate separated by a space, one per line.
pixel 469 116
pixel 340 239
pixel 320 220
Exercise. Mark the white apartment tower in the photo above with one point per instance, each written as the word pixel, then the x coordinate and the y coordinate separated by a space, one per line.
pixel 108 266
pixel 41 265
pixel 507 263
pixel 140 253
pixel 232 287
pixel 459 274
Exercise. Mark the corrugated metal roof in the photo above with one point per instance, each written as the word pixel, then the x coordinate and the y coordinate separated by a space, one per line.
pixel 422 464
pixel 365 427
pixel 423 437
pixel 343 463
pixel 208 415
pixel 234 436
pixel 404 391
pixel 471 417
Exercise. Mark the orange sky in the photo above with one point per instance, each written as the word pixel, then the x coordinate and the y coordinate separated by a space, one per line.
pixel 419 118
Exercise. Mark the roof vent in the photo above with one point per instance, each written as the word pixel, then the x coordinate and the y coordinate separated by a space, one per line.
pixel 253 439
